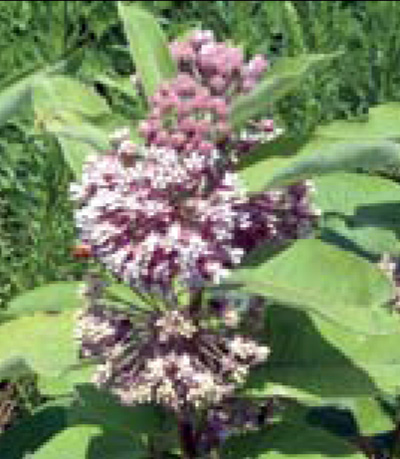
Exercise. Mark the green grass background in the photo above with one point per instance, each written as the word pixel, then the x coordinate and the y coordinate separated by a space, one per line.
pixel 36 230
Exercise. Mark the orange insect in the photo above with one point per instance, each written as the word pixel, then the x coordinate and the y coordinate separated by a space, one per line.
pixel 82 251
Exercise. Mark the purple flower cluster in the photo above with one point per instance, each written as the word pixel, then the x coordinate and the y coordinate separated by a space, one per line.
pixel 165 357
pixel 163 219
pixel 169 212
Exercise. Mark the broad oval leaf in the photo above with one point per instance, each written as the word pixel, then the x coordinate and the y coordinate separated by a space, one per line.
pixel 44 341
pixel 359 212
pixel 53 297
pixel 320 278
pixel 337 157
pixel 148 47
pixel 383 123
pixel 304 361
pixel 283 78
pixel 377 356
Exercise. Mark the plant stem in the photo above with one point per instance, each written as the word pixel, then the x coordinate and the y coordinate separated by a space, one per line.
pixel 187 439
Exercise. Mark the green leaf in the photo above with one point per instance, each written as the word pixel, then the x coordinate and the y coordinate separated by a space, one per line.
pixel 19 93
pixel 383 123
pixel 148 46
pixel 333 283
pixel 336 157
pixel 53 297
pixel 44 341
pixel 360 212
pixel 286 440
pixel 122 293
pixel 89 442
pixel 260 165
pixel 13 368
pixel 74 113
pixel 100 407
pixel 378 356
pixel 31 432
pixel 283 78
pixel 371 417
pixel 305 362
pixel 66 383
pixel 57 94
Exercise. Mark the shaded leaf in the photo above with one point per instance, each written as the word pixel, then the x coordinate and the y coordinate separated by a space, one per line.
pixel 100 407
pixel 286 440
pixel 148 46
pixel 31 432
pixel 89 442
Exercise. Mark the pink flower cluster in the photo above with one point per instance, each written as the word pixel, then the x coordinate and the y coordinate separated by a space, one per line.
pixel 220 67
pixel 165 218
pixel 171 212
pixel 164 356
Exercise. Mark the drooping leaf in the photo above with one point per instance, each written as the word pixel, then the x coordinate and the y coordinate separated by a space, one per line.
pixel 320 278
pixel 53 297
pixel 89 442
pixel 100 407
pixel 149 48
pixel 283 78
pixel 288 441
pixel 337 157
pixel 360 212
pixel 44 341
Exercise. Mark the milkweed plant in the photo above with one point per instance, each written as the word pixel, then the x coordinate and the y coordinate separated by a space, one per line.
pixel 241 299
